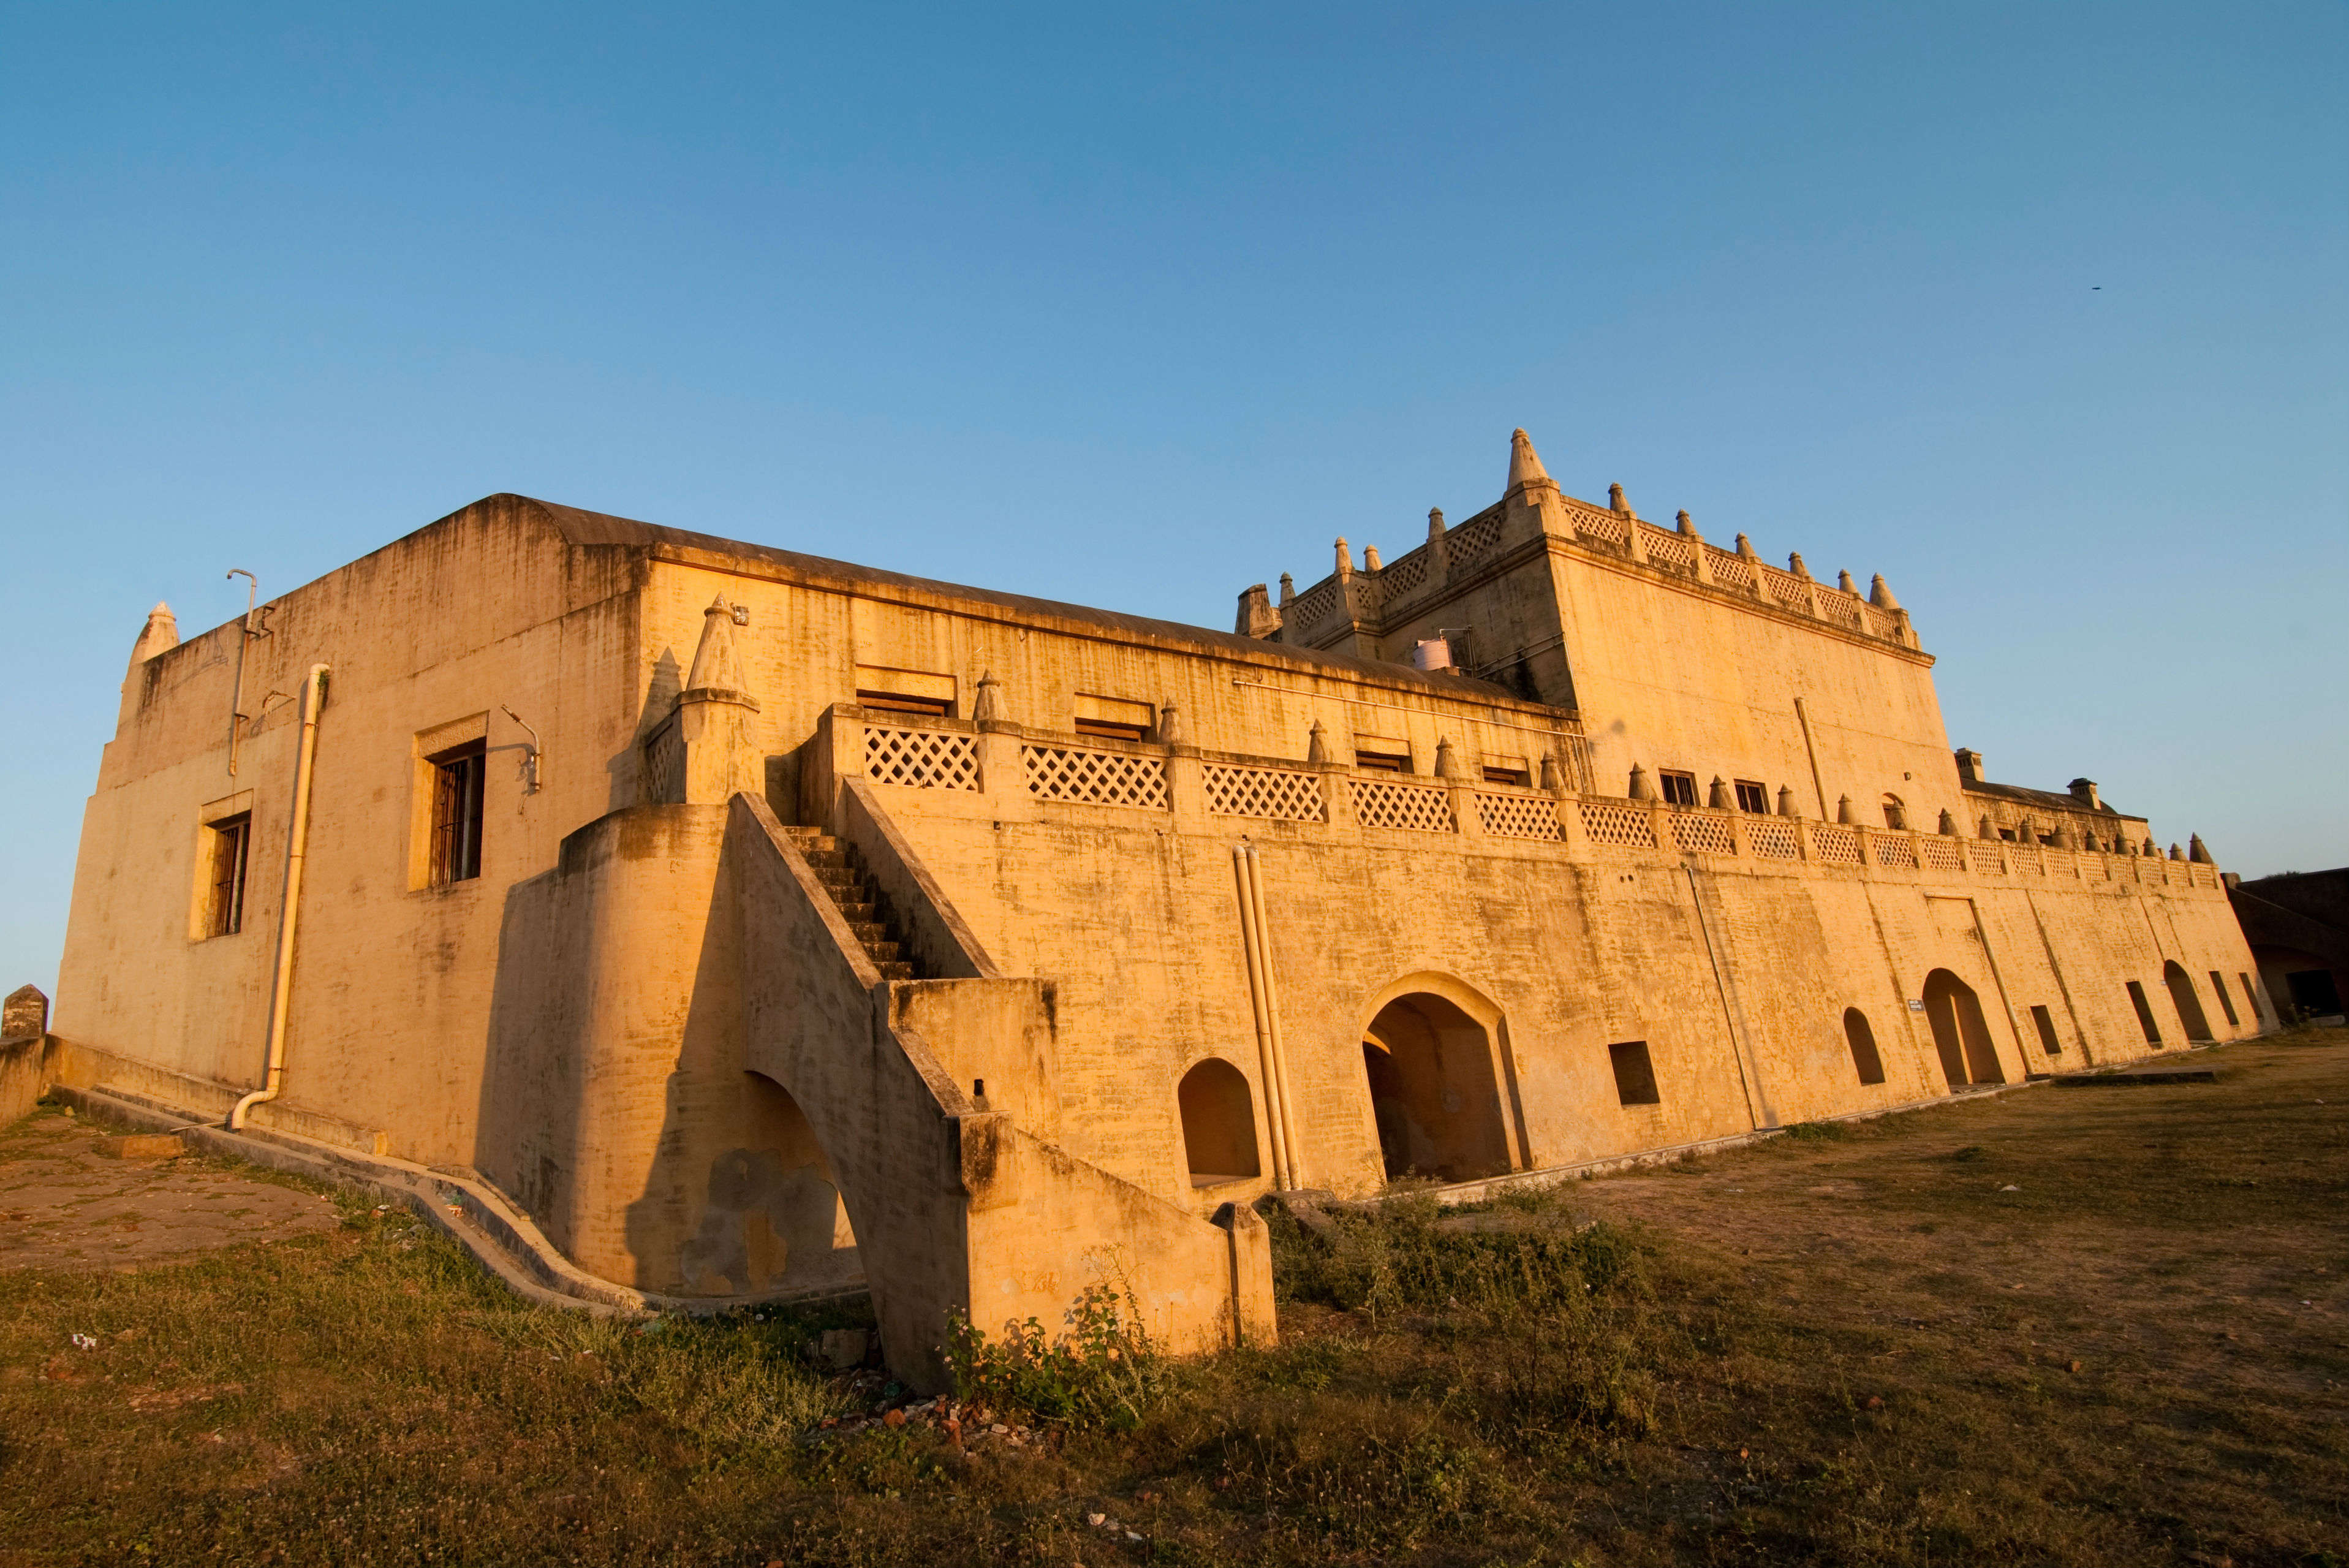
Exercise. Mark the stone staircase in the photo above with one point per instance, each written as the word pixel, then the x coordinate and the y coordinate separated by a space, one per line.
pixel 858 898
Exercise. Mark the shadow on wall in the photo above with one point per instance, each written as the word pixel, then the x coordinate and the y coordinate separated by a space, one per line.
pixel 616 1108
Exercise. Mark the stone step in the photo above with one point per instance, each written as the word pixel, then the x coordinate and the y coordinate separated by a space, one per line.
pixel 857 914
pixel 868 931
pixel 896 969
pixel 884 954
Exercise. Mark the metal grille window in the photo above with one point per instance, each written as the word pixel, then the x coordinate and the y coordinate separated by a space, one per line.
pixel 1753 797
pixel 1680 789
pixel 232 837
pixel 457 776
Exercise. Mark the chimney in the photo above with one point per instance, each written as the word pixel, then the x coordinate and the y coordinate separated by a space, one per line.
pixel 2084 791
pixel 1258 618
pixel 1969 766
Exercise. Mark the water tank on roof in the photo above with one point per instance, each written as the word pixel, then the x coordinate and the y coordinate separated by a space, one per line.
pixel 1431 653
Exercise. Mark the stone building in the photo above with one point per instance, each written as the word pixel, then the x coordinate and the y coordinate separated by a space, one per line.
pixel 756 924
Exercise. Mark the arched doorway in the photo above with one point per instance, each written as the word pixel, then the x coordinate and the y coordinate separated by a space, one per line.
pixel 1432 1091
pixel 772 1216
pixel 1959 1032
pixel 1864 1058
pixel 1218 1124
pixel 2188 1006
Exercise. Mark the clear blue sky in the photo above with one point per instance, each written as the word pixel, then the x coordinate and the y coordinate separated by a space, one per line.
pixel 2042 311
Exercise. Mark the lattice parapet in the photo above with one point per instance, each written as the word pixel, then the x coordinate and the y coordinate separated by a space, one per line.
pixel 1944 854
pixel 1729 569
pixel 1313 606
pixel 1986 859
pixel 920 759
pixel 1786 590
pixel 1834 845
pixel 1772 838
pixel 1668 549
pixel 1472 540
pixel 1605 526
pixel 1604 822
pixel 1402 577
pixel 1095 778
pixel 1892 850
pixel 665 763
pixel 1518 815
pixel 1417 808
pixel 1263 791
pixel 1699 835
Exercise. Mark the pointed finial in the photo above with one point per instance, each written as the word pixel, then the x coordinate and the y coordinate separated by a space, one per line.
pixel 1786 801
pixel 1316 744
pixel 2195 850
pixel 1435 521
pixel 1746 548
pixel 1616 503
pixel 1345 560
pixel 1553 777
pixel 1949 824
pixel 1688 526
pixel 1987 830
pixel 1640 788
pixel 1843 581
pixel 160 633
pixel 1794 565
pixel 986 707
pixel 717 664
pixel 1718 796
pixel 1843 809
pixel 1447 762
pixel 1170 725
pixel 1288 590
pixel 2176 853
pixel 1881 597
pixel 1370 562
pixel 1525 463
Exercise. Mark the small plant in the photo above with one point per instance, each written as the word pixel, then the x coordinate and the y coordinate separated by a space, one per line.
pixel 1101 1373
pixel 1819 1131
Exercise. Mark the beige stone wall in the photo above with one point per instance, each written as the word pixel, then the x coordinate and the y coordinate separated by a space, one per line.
pixel 394 982
pixel 591 1021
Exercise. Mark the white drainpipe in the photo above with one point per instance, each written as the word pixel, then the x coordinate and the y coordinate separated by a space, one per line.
pixel 297 835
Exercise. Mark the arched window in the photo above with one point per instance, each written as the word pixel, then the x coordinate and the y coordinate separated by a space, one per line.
pixel 1862 1040
pixel 1896 815
pixel 1218 1124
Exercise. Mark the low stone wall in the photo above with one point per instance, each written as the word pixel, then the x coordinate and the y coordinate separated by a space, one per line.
pixel 22 1060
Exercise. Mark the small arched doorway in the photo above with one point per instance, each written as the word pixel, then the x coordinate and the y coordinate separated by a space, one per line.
pixel 1865 1057
pixel 1432 1091
pixel 1218 1124
pixel 2188 1006
pixel 771 1217
pixel 1896 811
pixel 1960 1032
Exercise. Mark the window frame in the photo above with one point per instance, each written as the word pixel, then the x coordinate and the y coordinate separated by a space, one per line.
pixel 229 845
pixel 1674 785
pixel 457 812
pixel 1761 806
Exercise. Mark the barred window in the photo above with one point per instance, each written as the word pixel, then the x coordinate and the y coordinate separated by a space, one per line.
pixel 1680 789
pixel 1752 796
pixel 231 839
pixel 457 776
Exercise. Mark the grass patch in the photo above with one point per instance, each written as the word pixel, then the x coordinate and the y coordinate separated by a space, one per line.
pixel 1850 1350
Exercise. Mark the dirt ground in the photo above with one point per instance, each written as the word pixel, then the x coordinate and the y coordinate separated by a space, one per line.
pixel 65 1205
pixel 2092 1326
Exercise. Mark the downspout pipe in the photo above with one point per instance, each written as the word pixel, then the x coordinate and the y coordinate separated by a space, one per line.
pixel 289 909
pixel 1267 1071
pixel 1287 1121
